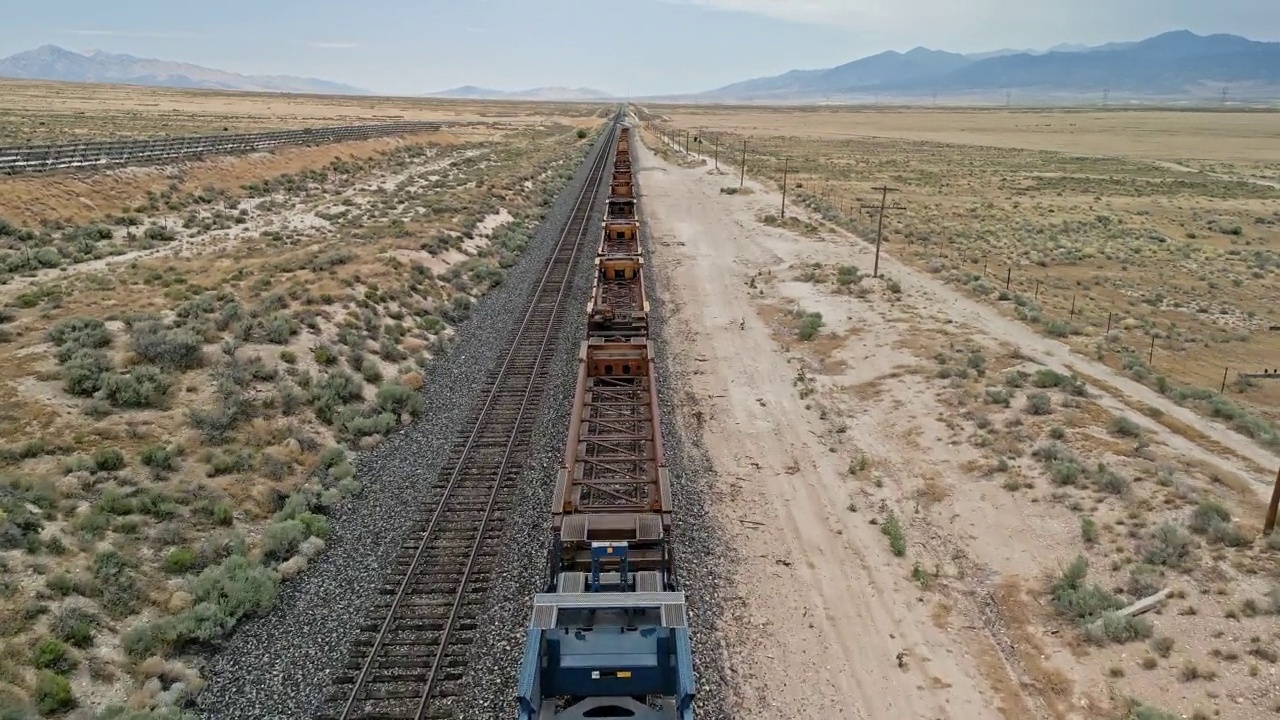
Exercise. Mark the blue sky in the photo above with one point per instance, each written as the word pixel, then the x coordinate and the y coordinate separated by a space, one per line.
pixel 628 47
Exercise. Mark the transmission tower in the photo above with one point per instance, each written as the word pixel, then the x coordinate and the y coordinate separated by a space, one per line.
pixel 1224 94
pixel 1008 98
pixel 1106 93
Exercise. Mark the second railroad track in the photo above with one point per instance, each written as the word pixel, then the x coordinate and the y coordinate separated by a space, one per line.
pixel 408 660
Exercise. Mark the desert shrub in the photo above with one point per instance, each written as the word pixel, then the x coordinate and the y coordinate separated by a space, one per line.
pixel 175 349
pixel 142 387
pixel 810 324
pixel 1168 545
pixel 237 587
pixel 215 424
pixel 79 333
pixel 999 396
pixel 1113 627
pixel 52 654
pixel 114 584
pixel 358 423
pixel 1078 600
pixel 1144 580
pixel 53 694
pixel 1125 427
pixel 1110 481
pixel 74 625
pixel 892 528
pixel 83 372
pixel 1038 403
pixel 1088 530
pixel 160 458
pixel 333 391
pixel 108 459
pixel 1226 533
pixel 396 398
pixel 277 328
pixel 1208 512
pixel 227 463
pixel 180 560
pixel 1065 472
pixel 371 370
pixel 281 539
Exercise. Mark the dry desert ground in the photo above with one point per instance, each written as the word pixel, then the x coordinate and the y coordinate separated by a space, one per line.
pixel 190 352
pixel 941 491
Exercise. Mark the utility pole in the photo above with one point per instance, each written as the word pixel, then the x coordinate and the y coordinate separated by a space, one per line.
pixel 1106 93
pixel 717 151
pixel 786 165
pixel 884 197
pixel 1224 95
pixel 686 142
pixel 1008 98
pixel 743 177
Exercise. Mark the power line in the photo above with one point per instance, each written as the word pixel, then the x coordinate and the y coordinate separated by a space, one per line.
pixel 881 208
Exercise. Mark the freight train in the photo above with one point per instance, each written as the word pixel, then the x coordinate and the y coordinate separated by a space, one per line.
pixel 609 636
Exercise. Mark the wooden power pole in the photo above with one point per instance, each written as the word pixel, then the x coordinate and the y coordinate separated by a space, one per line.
pixel 881 208
pixel 743 166
pixel 786 165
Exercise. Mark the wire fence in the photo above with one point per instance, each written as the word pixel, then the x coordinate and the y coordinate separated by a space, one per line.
pixel 101 154
pixel 1143 349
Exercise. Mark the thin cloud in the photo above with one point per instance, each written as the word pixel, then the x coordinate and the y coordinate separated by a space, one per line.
pixel 333 45
pixel 160 35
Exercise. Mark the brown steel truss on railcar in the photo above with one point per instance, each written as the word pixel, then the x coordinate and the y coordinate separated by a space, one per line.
pixel 621 209
pixel 620 185
pixel 614 485
pixel 618 305
pixel 621 237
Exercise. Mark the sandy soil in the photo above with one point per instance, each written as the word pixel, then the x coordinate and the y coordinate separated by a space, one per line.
pixel 827 622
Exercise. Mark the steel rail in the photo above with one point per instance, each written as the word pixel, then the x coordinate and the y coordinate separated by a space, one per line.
pixel 580 214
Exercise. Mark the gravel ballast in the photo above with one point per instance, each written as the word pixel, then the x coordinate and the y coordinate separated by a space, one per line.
pixel 279 666
pixel 700 555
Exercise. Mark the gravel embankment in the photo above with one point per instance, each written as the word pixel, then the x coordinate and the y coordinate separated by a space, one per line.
pixel 279 666
pixel 702 558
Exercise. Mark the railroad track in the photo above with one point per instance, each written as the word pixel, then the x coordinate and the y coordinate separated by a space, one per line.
pixel 409 659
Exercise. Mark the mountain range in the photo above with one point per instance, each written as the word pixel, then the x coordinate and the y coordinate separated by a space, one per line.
pixel 50 62
pixel 1173 64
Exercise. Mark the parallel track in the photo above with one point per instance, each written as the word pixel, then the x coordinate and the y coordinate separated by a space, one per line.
pixel 409 660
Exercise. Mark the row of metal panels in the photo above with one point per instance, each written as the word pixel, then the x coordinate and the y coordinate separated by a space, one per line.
pixel 37 158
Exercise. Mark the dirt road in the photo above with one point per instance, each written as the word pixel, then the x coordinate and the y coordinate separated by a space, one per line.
pixel 817 443
pixel 826 609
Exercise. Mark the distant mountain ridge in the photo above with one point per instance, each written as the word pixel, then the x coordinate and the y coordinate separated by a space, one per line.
pixel 471 92
pixel 1177 63
pixel 50 62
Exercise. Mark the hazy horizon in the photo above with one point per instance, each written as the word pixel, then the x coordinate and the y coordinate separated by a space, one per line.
pixel 668 46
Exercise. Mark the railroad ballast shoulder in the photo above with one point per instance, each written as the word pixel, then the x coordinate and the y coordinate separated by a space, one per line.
pixel 609 637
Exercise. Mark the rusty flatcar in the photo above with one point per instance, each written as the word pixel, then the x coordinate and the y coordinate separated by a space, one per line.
pixel 609 638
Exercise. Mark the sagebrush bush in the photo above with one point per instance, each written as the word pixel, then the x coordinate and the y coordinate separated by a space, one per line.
pixel 1113 627
pixel 396 398
pixel 1206 514
pixel 1038 403
pixel 1168 545
pixel 82 373
pixel 1078 600
pixel 142 387
pixel 172 348
pixel 281 539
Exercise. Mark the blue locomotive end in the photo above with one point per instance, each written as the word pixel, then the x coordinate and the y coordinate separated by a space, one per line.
pixel 607 655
